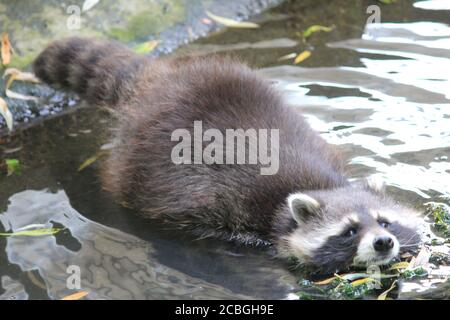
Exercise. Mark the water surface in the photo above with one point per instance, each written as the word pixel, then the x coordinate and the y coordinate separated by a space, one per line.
pixel 379 92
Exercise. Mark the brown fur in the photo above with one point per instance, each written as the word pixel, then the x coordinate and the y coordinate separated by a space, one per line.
pixel 155 97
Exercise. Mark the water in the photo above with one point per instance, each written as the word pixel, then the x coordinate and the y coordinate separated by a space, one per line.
pixel 380 93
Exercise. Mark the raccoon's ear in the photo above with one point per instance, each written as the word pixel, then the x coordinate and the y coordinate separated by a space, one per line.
pixel 376 184
pixel 302 206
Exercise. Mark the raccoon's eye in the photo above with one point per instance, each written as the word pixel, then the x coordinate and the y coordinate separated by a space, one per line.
pixel 384 224
pixel 351 232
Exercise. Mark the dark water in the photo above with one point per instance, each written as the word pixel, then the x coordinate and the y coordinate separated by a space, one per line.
pixel 380 92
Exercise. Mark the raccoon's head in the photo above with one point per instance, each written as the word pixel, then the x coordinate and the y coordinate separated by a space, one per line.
pixel 353 225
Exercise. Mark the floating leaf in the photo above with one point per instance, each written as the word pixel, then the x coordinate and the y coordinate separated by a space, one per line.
pixel 385 293
pixel 6 49
pixel 4 111
pixel 31 226
pixel 351 277
pixel 91 160
pixel 231 23
pixel 315 28
pixel 326 281
pixel 89 4
pixel 32 233
pixel 146 47
pixel 302 56
pixel 12 165
pixel 88 162
pixel 399 265
pixel 386 1
pixel 15 95
pixel 363 281
pixel 76 296
pixel 288 56
pixel 354 276
pixel 339 276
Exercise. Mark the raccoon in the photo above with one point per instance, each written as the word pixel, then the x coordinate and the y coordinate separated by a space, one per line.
pixel 308 209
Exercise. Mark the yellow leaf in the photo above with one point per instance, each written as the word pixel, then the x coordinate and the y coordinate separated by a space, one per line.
pixel 231 23
pixel 6 49
pixel 4 111
pixel 302 56
pixel 91 160
pixel 383 295
pixel 15 95
pixel 88 162
pixel 12 165
pixel 326 281
pixel 10 81
pixel 288 56
pixel 363 281
pixel 399 265
pixel 339 276
pixel 76 296
pixel 32 233
pixel 31 226
pixel 146 47
pixel 16 74
pixel 315 28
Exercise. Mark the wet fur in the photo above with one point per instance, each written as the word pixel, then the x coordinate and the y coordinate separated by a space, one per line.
pixel 155 97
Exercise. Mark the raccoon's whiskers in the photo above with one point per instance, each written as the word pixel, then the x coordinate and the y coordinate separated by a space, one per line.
pixel 407 242
pixel 410 245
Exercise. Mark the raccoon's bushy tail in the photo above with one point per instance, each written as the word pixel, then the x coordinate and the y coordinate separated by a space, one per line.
pixel 96 70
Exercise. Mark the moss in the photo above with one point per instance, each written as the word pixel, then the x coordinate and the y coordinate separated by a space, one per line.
pixel 151 21
pixel 345 290
pixel 441 217
pixel 20 62
pixel 304 295
pixel 32 26
pixel 415 273
pixel 339 288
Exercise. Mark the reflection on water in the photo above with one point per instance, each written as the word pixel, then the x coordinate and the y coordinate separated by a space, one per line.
pixel 402 125
pixel 114 265
pixel 120 255
pixel 433 4
pixel 380 93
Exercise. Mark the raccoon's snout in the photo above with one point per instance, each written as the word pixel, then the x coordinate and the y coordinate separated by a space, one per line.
pixel 377 248
pixel 383 244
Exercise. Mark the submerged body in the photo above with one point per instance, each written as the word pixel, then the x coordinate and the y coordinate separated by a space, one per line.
pixel 307 209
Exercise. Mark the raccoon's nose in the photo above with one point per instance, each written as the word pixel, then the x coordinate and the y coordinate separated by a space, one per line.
pixel 383 243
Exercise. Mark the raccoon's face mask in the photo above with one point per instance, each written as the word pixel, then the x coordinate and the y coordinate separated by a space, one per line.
pixel 350 226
